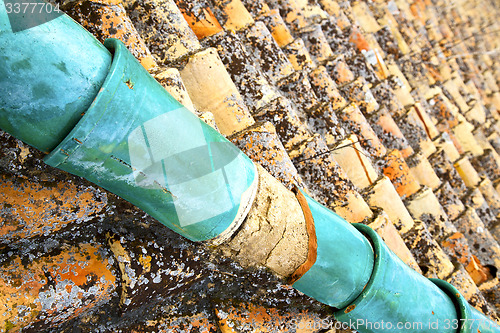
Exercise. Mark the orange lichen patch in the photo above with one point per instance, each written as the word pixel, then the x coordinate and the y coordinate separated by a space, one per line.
pixel 444 110
pixel 108 19
pixel 278 28
pixel 254 318
pixel 236 13
pixel 299 56
pixel 359 40
pixel 201 19
pixel 340 71
pixel 477 272
pixel 32 209
pixel 416 11
pixel 433 73
pixel 456 246
pixel 350 308
pixel 54 288
pixel 398 172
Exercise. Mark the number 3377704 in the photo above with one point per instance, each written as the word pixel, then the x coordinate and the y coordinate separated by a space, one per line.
pixel 31 8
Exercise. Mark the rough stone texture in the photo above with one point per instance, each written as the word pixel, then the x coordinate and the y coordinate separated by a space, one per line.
pixel 200 17
pixel 323 120
pixel 450 201
pixel 232 14
pixel 317 44
pixel 261 143
pixel 359 92
pixel 164 29
pixel 274 22
pixel 57 286
pixel 266 53
pixel 325 88
pixel 386 97
pixel 487 165
pixel 430 257
pixel 422 170
pixel 475 199
pixel 274 233
pixel 482 243
pixel 53 206
pixel 415 132
pixel 290 129
pixel 299 90
pixel 299 56
pixel 108 19
pixel 424 206
pixel 446 172
pixel 354 120
pixel 252 84
pixel 389 132
pixel 327 181
pixel 472 294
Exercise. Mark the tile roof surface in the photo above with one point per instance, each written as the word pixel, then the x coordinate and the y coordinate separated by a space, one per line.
pixel 387 112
